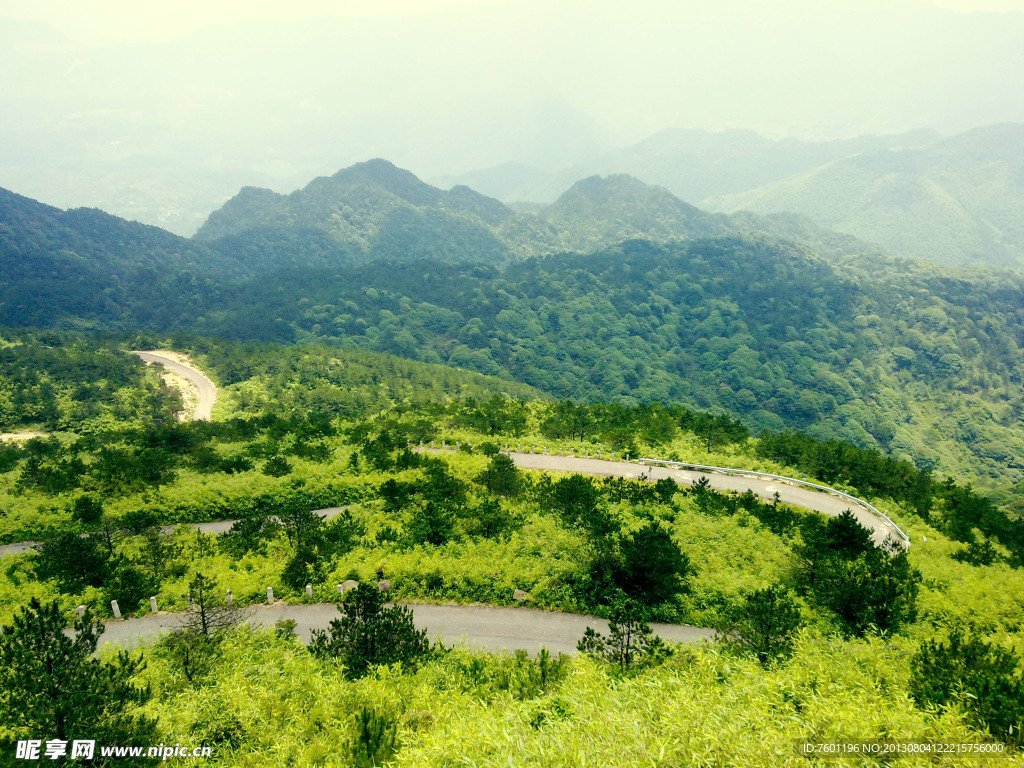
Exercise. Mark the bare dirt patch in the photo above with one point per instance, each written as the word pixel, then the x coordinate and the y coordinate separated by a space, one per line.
pixel 20 436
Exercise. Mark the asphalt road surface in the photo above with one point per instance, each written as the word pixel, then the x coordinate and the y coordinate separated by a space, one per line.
pixel 215 527
pixel 796 495
pixel 484 627
pixel 206 389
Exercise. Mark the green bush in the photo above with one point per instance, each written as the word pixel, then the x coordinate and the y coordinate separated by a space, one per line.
pixel 985 679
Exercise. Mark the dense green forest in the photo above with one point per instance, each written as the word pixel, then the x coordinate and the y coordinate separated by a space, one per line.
pixel 57 381
pixel 919 361
pixel 861 642
pixel 924 365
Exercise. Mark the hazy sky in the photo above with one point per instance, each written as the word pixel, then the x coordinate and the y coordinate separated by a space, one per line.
pixel 160 110
pixel 109 20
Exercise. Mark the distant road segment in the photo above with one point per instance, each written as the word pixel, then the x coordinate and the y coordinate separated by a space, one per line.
pixel 207 390
pixel 766 489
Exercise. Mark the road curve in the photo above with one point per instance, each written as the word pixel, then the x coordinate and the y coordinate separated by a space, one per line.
pixel 796 495
pixel 206 389
pixel 766 489
pixel 478 626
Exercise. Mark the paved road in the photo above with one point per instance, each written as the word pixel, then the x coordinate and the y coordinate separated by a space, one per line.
pixel 766 489
pixel 207 390
pixel 791 494
pixel 215 527
pixel 485 627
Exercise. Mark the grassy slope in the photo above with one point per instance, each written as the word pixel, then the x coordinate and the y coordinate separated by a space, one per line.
pixel 704 704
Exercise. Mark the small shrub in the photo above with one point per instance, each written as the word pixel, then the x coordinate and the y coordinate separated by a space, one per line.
pixel 985 679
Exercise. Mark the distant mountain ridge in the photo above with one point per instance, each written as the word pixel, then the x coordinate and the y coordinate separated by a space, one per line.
pixel 692 164
pixel 955 200
pixel 83 266
pixel 375 210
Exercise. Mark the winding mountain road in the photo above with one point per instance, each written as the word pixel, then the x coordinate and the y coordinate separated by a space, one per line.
pixel 206 390
pixel 789 492
pixel 488 627
pixel 881 528
pixel 484 627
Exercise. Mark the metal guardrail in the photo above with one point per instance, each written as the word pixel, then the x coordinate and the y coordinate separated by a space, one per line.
pixel 748 473
pixel 781 478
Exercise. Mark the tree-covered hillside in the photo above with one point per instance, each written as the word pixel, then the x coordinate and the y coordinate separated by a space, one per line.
pixel 81 267
pixel 908 358
pixel 370 210
pixel 374 210
pixel 60 381
pixel 958 200
pixel 826 638
pixel 887 353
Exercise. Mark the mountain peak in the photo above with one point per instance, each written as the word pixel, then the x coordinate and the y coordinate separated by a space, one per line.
pixel 249 203
pixel 602 188
pixel 601 209
pixel 387 176
pixel 619 189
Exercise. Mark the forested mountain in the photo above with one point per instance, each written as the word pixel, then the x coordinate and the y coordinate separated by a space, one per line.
pixel 955 200
pixel 375 210
pixel 909 358
pixel 83 264
pixel 596 212
pixel 740 312
pixel 370 210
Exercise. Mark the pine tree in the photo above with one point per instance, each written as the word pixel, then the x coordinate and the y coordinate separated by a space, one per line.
pixel 630 639
pixel 765 623
pixel 368 633
pixel 53 687
pixel 196 645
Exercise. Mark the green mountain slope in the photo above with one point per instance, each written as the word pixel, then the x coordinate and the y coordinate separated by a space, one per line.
pixel 886 353
pixel 72 382
pixel 908 358
pixel 957 201
pixel 370 210
pixel 85 267
pixel 374 210
pixel 80 265
pixel 596 212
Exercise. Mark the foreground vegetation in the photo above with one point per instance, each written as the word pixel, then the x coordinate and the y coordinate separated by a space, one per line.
pixel 826 637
